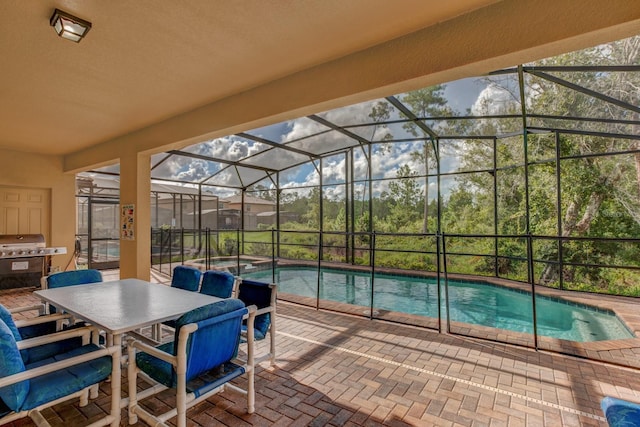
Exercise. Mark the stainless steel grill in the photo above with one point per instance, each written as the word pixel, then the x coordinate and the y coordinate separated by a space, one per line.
pixel 24 259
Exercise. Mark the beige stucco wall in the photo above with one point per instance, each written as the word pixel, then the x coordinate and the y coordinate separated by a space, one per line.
pixel 19 169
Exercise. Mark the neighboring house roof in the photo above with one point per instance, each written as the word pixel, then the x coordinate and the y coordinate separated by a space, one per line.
pixel 248 200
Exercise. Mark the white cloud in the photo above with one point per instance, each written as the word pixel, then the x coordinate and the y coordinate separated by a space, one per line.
pixel 493 99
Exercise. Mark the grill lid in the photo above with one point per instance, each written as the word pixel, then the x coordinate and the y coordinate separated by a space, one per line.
pixel 35 240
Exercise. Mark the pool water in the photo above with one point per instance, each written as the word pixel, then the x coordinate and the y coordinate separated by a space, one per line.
pixel 469 302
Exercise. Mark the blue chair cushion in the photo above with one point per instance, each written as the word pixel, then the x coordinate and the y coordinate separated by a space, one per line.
pixel 218 335
pixel 41 352
pixel 55 385
pixel 37 330
pixel 72 278
pixel 258 294
pixel 163 372
pixel 260 326
pixel 6 317
pixel 620 412
pixel 46 351
pixel 217 283
pixel 157 369
pixel 12 395
pixel 185 277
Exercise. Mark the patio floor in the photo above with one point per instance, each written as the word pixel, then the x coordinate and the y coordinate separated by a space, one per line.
pixel 341 370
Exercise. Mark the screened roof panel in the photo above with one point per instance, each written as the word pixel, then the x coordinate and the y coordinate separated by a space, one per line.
pixel 289 130
pixel 601 97
pixel 275 159
pixel 369 112
pixel 226 177
pixel 230 148
pixel 264 185
pixel 324 143
pixel 250 176
pixel 616 84
pixel 185 168
pixel 236 176
pixel 621 129
pixel 376 132
pixel 301 175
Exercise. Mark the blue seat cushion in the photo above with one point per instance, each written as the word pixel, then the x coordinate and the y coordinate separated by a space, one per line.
pixel 49 387
pixel 75 277
pixel 41 352
pixel 620 412
pixel 48 350
pixel 185 277
pixel 260 326
pixel 162 372
pixel 157 369
pixel 12 395
pixel 217 283
pixel 258 294
pixel 7 319
pixel 37 330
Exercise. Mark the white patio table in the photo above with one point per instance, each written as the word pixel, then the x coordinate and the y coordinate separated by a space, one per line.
pixel 122 306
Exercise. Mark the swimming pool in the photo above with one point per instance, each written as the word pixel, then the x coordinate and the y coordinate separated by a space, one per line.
pixel 469 302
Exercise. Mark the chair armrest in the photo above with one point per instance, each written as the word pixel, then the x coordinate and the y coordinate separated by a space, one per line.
pixel 57 366
pixel 57 336
pixel 269 309
pixel 153 351
pixel 42 319
pixel 39 307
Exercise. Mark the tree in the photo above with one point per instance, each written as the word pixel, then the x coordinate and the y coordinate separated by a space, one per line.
pixel 424 103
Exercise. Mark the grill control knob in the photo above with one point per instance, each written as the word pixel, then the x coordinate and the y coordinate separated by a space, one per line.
pixel 41 251
pixel 31 252
pixel 20 252
pixel 11 253
pixel 2 254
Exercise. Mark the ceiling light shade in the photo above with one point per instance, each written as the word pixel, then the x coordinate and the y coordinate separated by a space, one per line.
pixel 68 26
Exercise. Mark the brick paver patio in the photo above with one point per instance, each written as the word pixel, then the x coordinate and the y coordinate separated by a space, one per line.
pixel 341 370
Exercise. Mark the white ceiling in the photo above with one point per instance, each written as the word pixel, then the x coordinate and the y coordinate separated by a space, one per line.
pixel 148 60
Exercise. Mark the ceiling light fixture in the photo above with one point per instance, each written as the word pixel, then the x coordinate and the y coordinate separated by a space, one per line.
pixel 68 26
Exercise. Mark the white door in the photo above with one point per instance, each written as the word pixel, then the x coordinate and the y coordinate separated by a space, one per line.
pixel 25 211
